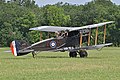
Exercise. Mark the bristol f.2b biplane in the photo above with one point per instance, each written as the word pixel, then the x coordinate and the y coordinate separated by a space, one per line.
pixel 67 39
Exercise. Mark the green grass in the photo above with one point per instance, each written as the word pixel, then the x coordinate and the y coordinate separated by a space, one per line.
pixel 100 65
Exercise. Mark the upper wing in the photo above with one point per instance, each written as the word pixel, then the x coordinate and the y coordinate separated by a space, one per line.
pixel 57 28
pixel 92 26
pixel 51 28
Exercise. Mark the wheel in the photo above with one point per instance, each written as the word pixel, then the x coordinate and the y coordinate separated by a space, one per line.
pixel 83 53
pixel 73 54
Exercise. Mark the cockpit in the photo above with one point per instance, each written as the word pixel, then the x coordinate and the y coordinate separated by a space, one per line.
pixel 61 34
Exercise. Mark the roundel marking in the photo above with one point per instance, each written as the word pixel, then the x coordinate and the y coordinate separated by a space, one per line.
pixel 53 44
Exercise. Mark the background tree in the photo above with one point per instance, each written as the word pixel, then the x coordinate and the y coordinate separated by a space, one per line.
pixel 17 16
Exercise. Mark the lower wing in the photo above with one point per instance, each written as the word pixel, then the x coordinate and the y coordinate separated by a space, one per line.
pixel 85 47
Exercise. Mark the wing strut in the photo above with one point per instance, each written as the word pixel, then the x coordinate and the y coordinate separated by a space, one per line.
pixel 40 36
pixel 80 39
pixel 104 34
pixel 89 34
pixel 96 37
pixel 48 35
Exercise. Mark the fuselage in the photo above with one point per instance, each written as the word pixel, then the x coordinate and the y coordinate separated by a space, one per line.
pixel 71 40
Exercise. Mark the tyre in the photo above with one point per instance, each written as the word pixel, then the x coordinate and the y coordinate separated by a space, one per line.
pixel 72 54
pixel 83 53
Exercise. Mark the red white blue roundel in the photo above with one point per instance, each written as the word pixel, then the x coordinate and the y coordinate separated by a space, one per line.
pixel 53 44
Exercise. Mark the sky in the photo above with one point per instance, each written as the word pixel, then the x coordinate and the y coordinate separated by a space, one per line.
pixel 45 2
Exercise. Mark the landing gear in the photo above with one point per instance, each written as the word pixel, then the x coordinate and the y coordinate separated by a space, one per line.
pixel 83 53
pixel 73 54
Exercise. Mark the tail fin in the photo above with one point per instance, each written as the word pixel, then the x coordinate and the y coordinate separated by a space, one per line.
pixel 17 48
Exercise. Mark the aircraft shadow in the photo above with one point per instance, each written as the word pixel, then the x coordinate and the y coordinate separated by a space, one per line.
pixel 18 58
pixel 69 57
pixel 39 57
pixel 96 57
pixel 52 57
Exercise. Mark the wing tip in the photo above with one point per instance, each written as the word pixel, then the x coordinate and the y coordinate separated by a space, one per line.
pixel 31 29
pixel 112 22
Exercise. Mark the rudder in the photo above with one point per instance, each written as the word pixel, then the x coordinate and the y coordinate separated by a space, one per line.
pixel 16 47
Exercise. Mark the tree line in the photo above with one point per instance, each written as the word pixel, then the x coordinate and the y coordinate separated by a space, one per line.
pixel 17 16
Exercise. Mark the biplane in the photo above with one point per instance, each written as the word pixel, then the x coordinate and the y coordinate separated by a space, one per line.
pixel 67 39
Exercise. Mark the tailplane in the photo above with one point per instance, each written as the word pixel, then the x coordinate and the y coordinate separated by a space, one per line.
pixel 19 48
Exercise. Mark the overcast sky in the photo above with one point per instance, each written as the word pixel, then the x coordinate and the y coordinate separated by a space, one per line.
pixel 44 2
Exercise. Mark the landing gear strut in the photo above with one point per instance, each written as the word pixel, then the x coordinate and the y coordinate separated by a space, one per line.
pixel 73 54
pixel 34 54
pixel 83 53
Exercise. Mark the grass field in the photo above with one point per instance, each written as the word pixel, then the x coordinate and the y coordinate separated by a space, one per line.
pixel 100 65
